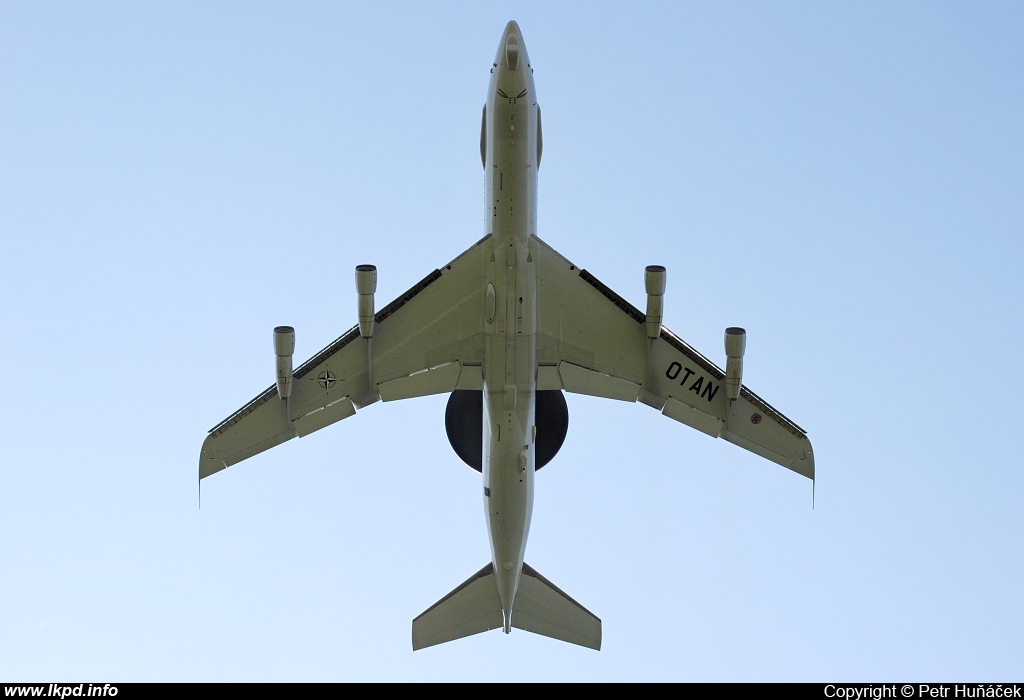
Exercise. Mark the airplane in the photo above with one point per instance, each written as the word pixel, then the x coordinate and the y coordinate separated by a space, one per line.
pixel 504 329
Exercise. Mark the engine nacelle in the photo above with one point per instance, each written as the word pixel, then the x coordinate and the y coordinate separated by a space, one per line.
pixel 483 138
pixel 540 138
pixel 654 282
pixel 366 285
pixel 735 346
pixel 284 348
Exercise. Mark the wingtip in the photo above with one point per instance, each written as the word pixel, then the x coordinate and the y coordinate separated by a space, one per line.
pixel 208 463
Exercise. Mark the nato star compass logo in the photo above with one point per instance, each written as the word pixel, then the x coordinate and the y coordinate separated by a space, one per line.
pixel 326 379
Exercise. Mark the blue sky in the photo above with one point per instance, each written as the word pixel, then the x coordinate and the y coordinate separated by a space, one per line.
pixel 844 180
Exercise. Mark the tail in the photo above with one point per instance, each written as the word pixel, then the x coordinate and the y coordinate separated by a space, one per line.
pixel 543 608
pixel 473 607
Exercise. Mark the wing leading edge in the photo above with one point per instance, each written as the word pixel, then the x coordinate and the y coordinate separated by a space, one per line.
pixel 592 341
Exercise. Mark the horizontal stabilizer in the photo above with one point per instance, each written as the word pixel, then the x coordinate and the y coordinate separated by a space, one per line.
pixel 471 608
pixel 542 608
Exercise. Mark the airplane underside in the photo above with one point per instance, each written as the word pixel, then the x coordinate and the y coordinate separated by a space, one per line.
pixel 505 328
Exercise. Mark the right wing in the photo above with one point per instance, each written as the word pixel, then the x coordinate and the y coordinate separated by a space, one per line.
pixel 428 341
pixel 592 341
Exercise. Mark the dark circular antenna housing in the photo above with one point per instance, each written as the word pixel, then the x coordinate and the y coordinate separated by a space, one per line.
pixel 464 423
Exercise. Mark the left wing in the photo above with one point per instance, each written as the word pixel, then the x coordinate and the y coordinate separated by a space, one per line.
pixel 428 341
pixel 592 341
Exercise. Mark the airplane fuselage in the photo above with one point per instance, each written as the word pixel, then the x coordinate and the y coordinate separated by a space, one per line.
pixel 510 143
pixel 532 304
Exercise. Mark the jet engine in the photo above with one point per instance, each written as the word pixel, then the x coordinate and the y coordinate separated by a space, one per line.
pixel 735 345
pixel 284 347
pixel 464 423
pixel 654 282
pixel 366 285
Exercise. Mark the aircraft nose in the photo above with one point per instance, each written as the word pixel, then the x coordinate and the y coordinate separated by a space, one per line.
pixel 512 28
pixel 512 50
